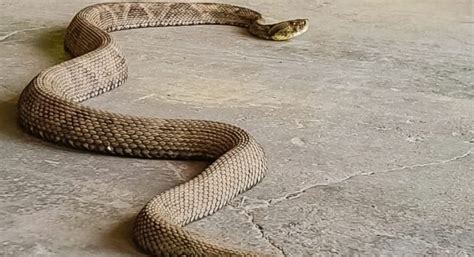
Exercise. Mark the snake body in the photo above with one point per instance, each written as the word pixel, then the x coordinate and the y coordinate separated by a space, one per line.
pixel 50 107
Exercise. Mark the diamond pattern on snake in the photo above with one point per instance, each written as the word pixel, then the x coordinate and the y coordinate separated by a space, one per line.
pixel 50 107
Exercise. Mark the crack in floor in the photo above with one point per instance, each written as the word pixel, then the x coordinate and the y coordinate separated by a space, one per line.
pixel 264 203
pixel 10 34
pixel 245 209
pixel 259 228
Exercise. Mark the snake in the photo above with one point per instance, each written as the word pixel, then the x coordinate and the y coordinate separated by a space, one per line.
pixel 50 107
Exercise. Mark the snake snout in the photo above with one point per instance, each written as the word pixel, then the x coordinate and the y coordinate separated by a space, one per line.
pixel 288 29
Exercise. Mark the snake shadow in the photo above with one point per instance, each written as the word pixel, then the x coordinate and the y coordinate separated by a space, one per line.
pixel 49 43
pixel 117 238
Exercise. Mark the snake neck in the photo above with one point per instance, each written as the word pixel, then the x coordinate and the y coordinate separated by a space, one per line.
pixel 260 30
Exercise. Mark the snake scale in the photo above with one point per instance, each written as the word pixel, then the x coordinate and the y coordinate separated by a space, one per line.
pixel 50 108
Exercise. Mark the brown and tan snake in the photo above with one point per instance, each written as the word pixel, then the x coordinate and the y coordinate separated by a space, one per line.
pixel 49 107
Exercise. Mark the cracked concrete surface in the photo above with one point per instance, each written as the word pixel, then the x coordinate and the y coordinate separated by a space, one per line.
pixel 367 121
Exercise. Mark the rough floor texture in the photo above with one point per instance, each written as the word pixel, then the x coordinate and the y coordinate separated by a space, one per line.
pixel 367 120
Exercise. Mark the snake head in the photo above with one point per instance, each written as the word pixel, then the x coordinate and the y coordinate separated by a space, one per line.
pixel 288 29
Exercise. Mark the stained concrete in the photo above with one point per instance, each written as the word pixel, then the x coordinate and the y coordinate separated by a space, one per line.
pixel 367 120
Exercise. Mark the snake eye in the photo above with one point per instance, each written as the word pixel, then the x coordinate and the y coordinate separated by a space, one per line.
pixel 301 24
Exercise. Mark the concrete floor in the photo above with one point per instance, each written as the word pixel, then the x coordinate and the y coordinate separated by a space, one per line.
pixel 367 120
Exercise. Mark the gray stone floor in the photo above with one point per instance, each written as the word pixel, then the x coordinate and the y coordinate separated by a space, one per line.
pixel 367 120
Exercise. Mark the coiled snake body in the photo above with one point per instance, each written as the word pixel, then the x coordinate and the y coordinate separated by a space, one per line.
pixel 49 107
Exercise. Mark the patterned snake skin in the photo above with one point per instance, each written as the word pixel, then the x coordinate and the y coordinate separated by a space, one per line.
pixel 49 107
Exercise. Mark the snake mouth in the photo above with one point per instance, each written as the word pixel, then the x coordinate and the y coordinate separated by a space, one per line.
pixel 288 29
